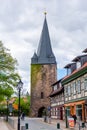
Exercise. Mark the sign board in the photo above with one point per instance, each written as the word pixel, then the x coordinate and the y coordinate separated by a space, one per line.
pixel 10 107
pixel 49 108
pixel 71 122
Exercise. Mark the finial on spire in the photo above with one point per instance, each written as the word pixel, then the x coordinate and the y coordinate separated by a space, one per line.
pixel 45 13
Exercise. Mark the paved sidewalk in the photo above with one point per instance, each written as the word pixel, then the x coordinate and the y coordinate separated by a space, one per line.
pixel 3 125
pixel 56 121
pixel 63 125
pixel 6 126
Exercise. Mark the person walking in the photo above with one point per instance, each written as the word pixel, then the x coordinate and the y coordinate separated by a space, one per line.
pixel 23 116
pixel 75 118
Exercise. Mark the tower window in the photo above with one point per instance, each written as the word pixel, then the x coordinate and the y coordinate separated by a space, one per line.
pixel 42 95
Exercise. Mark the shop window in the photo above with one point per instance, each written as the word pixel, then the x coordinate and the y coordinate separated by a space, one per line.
pixel 85 83
pixel 78 86
pixel 79 112
pixel 68 111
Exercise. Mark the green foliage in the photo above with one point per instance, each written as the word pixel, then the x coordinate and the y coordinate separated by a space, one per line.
pixel 3 111
pixel 34 71
pixel 3 108
pixel 15 112
pixel 8 75
pixel 24 105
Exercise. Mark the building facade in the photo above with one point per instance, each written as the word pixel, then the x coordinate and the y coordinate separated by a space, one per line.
pixel 43 74
pixel 75 88
pixel 57 101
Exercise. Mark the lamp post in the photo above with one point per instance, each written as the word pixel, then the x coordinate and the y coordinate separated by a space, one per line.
pixel 66 118
pixel 7 109
pixel 19 87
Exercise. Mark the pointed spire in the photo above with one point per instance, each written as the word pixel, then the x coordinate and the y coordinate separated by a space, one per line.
pixel 44 52
pixel 34 59
pixel 35 55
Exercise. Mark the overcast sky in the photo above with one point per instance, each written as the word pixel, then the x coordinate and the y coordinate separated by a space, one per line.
pixel 21 23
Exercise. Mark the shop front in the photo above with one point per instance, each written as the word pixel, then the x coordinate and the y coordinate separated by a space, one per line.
pixel 86 110
pixel 60 112
pixel 78 109
pixel 57 112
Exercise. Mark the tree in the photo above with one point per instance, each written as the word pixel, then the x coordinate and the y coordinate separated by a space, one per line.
pixel 8 75
pixel 24 104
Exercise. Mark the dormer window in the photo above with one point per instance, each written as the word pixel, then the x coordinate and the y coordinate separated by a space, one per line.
pixel 78 61
pixel 68 71
pixel 78 65
pixel 70 68
pixel 83 60
pixel 55 87
pixel 60 85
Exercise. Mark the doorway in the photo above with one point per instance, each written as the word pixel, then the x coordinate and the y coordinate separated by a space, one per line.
pixel 40 111
pixel 61 113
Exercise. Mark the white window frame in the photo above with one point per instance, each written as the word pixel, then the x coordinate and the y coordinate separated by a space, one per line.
pixel 69 90
pixel 66 91
pixel 55 87
pixel 78 86
pixel 74 87
pixel 69 71
pixel 78 64
pixel 85 83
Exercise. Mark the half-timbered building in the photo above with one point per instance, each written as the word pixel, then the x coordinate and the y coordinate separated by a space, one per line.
pixel 75 87
pixel 57 101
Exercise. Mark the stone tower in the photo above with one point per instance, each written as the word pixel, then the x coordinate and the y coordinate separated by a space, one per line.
pixel 43 73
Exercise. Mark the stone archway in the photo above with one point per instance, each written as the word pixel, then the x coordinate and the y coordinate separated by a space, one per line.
pixel 40 111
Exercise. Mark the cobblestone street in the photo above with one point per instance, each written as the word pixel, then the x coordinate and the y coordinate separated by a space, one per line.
pixel 36 124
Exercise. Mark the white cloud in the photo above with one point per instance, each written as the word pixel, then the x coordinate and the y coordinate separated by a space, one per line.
pixel 21 24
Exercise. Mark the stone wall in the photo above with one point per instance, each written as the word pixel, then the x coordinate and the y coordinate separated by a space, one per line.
pixel 42 77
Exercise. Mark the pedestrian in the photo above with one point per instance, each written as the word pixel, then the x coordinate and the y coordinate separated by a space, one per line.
pixel 75 118
pixel 22 115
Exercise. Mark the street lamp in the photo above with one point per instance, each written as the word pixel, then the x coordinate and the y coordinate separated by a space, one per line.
pixel 66 118
pixel 7 109
pixel 19 87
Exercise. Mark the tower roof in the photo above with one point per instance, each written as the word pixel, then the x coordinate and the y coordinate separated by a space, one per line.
pixel 44 52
